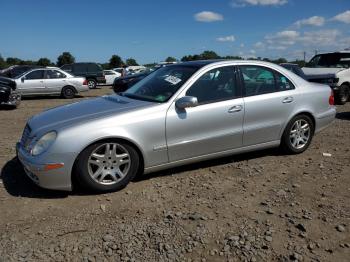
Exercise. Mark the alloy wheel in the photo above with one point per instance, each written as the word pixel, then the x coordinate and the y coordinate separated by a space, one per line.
pixel 109 163
pixel 91 84
pixel 300 134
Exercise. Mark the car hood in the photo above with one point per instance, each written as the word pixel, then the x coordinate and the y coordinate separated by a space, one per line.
pixel 5 81
pixel 321 70
pixel 83 111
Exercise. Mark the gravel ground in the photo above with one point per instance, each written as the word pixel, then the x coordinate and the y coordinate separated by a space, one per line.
pixel 261 206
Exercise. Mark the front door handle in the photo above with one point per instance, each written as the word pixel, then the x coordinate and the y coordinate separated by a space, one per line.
pixel 234 109
pixel 288 100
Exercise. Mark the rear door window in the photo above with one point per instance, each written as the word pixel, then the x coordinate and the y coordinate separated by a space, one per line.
pixel 283 83
pixel 258 80
pixel 54 74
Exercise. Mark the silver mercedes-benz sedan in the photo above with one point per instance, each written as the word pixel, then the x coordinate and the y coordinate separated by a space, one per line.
pixel 177 115
pixel 50 81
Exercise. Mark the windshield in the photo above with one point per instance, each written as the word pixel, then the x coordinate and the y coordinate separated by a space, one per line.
pixel 162 84
pixel 336 60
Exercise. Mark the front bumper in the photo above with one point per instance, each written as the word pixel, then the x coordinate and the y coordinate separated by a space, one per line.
pixel 14 99
pixel 35 169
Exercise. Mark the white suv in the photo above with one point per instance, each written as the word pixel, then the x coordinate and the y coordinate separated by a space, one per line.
pixel 337 63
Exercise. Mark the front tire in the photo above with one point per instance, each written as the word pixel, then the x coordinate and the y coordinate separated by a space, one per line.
pixel 298 134
pixel 343 95
pixel 107 166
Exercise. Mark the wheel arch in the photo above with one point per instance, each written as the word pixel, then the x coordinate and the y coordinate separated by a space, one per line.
pixel 105 139
pixel 346 83
pixel 70 86
pixel 302 112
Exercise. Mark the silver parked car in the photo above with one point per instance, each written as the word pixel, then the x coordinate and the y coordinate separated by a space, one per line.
pixel 178 114
pixel 50 81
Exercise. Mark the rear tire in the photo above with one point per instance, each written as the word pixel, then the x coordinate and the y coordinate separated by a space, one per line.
pixel 297 135
pixel 343 94
pixel 107 166
pixel 91 83
pixel 68 92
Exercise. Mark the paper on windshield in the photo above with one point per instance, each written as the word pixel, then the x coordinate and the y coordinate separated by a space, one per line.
pixel 172 80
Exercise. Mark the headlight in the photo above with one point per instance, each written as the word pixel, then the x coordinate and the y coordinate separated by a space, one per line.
pixel 44 143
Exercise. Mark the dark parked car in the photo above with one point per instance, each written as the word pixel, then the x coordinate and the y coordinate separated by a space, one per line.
pixel 121 84
pixel 16 70
pixel 8 92
pixel 91 71
pixel 327 79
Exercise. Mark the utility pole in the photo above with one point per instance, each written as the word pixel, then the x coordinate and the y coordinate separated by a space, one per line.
pixel 304 56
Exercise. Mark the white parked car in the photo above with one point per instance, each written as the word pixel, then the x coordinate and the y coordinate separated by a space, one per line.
pixel 110 75
pixel 337 63
pixel 50 81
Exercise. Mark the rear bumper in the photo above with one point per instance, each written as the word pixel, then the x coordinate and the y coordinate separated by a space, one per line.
pixel 83 88
pixel 325 119
pixel 57 179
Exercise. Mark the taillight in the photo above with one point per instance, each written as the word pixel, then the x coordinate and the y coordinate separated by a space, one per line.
pixel 331 99
pixel 85 82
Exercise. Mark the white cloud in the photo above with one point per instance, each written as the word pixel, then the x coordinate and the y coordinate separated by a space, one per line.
pixel 252 51
pixel 208 16
pixel 312 21
pixel 320 38
pixel 259 45
pixel 229 38
pixel 242 3
pixel 343 17
pixel 242 45
pixel 287 37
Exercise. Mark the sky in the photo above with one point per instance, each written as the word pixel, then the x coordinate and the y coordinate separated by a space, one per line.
pixel 150 31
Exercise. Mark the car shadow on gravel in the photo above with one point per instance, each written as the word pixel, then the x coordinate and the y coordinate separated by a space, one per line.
pixel 211 163
pixel 17 183
pixel 7 107
pixel 343 115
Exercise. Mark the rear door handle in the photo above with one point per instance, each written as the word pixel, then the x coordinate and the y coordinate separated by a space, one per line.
pixel 288 100
pixel 234 109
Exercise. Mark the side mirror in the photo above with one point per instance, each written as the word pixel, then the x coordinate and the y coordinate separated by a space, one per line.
pixel 22 79
pixel 186 101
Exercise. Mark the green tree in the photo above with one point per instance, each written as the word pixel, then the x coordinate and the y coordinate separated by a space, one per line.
pixel 206 55
pixel 170 59
pixel 43 62
pixel 232 57
pixel 279 61
pixel 115 61
pixel 13 61
pixel 2 63
pixel 65 58
pixel 131 62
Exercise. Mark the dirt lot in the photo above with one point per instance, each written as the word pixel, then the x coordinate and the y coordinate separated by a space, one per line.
pixel 261 206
